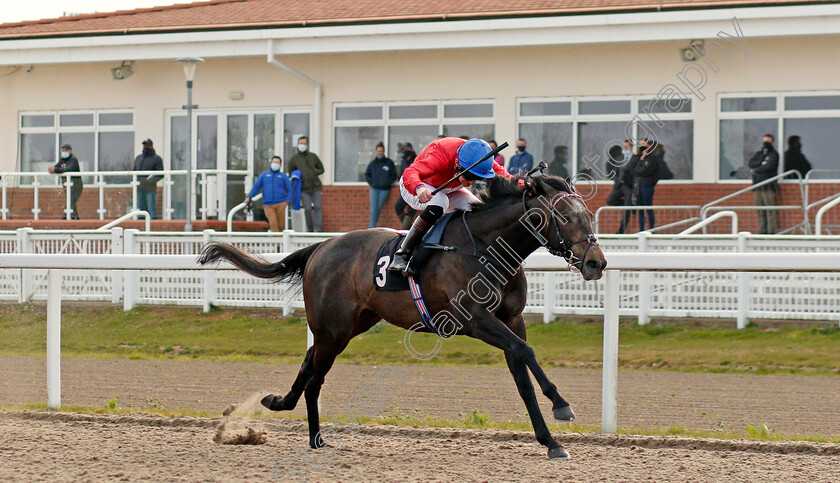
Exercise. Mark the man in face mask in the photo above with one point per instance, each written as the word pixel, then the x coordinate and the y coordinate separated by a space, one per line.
pixel 763 166
pixel 310 169
pixel 148 160
pixel 68 164
pixel 276 188
pixel 522 161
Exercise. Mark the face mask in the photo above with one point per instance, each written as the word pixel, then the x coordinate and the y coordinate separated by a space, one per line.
pixel 627 153
pixel 521 149
pixel 275 166
pixel 302 148
pixel 767 145
pixel 380 156
pixel 148 151
pixel 65 155
pixel 406 154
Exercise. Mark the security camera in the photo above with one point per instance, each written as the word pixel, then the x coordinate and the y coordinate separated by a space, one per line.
pixel 125 70
pixel 688 55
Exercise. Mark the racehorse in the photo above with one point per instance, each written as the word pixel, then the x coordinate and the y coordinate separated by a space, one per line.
pixel 490 242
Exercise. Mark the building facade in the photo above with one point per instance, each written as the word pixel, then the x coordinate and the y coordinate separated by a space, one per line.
pixel 584 79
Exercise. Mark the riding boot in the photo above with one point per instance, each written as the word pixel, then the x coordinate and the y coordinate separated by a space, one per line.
pixel 418 230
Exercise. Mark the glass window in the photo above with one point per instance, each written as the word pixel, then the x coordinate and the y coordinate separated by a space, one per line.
pixel 664 106
pixel 264 132
pixel 178 161
pixel 237 142
pixel 418 136
pixel 116 153
pixel 38 152
pixel 207 140
pixel 604 107
pixel 83 149
pixel 747 104
pixel 467 110
pixel 483 131
pixel 811 103
pixel 429 111
pixel 677 138
pixel 355 146
pixel 73 120
pixel 740 139
pixel 116 119
pixel 594 141
pixel 37 120
pixel 358 113
pixel 544 142
pixel 820 143
pixel 550 108
pixel 294 126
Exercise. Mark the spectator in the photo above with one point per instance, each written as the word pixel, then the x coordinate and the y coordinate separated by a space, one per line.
pixel 522 161
pixel 557 167
pixel 277 194
pixel 794 159
pixel 69 164
pixel 148 160
pixel 763 166
pixel 643 166
pixel 404 212
pixel 310 168
pixel 622 192
pixel 380 174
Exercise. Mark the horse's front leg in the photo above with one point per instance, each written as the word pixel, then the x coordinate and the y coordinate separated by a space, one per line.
pixel 494 332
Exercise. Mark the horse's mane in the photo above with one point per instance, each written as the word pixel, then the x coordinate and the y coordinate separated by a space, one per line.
pixel 503 191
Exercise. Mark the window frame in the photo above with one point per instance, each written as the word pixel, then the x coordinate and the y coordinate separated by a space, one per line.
pixel 575 118
pixel 780 114
pixel 385 122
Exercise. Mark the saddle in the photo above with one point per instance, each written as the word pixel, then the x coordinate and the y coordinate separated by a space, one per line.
pixel 386 280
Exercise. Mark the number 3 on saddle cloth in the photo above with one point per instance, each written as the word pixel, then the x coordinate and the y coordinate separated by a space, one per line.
pixel 384 279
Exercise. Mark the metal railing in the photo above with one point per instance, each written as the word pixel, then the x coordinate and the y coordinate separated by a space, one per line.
pixel 822 211
pixel 596 221
pixel 723 214
pixel 128 216
pixel 236 209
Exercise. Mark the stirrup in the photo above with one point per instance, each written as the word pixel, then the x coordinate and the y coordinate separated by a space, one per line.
pixel 399 263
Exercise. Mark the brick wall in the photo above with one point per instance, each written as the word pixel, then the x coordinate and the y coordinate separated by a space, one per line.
pixel 347 208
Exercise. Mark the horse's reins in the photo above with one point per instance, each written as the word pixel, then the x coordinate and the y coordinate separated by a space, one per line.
pixel 567 252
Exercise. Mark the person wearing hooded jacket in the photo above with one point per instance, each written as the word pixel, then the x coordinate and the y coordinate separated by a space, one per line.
pixel 69 164
pixel 148 160
pixel 380 174
pixel 276 188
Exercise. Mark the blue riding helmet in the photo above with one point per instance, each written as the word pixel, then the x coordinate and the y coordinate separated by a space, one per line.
pixel 473 150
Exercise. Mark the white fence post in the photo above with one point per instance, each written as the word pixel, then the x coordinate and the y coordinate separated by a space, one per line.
pixel 116 275
pixel 24 245
pixel 644 284
pixel 131 283
pixel 743 286
pixel 609 384
pixel 549 295
pixel 53 338
pixel 209 296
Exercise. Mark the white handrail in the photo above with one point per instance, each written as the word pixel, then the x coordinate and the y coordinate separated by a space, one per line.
pixel 638 208
pixel 821 212
pixel 128 216
pixel 236 209
pixel 705 208
pixel 711 219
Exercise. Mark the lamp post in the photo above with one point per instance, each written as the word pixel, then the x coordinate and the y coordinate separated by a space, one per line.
pixel 189 64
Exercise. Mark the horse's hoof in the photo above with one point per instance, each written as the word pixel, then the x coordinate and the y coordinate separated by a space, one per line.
pixel 564 413
pixel 558 453
pixel 271 402
pixel 318 443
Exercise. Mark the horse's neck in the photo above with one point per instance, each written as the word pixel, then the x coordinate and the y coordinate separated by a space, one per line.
pixel 503 233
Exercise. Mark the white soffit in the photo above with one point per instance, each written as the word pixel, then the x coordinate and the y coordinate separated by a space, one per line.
pixel 757 22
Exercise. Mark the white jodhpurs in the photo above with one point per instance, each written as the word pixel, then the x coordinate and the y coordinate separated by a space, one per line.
pixel 450 199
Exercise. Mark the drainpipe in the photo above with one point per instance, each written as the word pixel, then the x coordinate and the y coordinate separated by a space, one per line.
pixel 316 105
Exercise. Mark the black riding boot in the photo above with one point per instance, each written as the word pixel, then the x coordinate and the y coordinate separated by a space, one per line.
pixel 418 230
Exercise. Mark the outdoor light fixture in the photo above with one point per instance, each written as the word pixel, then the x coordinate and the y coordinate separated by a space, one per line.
pixel 189 64
pixel 125 70
pixel 689 54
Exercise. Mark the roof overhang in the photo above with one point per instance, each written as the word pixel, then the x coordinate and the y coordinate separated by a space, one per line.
pixel 757 22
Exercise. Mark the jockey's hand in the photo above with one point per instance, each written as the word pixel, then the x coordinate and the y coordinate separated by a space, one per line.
pixel 523 183
pixel 424 194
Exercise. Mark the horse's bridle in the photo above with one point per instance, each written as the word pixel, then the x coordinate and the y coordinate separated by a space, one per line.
pixel 567 252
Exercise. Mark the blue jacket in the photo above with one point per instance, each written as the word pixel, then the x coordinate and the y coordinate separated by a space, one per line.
pixel 521 162
pixel 297 185
pixel 276 188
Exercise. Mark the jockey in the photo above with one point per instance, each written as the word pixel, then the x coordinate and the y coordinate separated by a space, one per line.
pixel 437 163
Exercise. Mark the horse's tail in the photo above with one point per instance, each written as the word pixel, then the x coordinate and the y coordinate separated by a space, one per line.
pixel 290 269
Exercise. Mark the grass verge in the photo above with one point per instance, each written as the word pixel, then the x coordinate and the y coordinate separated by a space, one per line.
pixel 258 335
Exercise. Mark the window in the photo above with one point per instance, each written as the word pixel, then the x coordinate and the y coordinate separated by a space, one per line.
pixel 813 116
pixel 588 127
pixel 101 141
pixel 360 127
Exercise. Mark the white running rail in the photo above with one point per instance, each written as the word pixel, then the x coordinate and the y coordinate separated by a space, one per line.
pixel 712 219
pixel 128 216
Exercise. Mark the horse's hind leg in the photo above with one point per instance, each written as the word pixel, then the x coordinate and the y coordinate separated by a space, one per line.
pixel 322 360
pixel 290 400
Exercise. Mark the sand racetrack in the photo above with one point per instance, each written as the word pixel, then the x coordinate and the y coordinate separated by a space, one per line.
pixel 46 446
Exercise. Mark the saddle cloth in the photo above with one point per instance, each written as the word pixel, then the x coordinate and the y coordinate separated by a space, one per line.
pixel 386 280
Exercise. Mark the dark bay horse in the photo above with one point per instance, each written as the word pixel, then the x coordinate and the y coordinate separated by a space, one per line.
pixel 510 223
